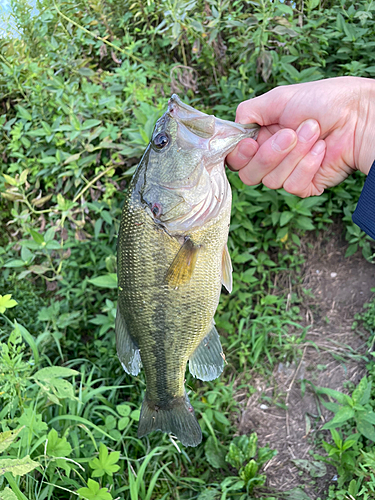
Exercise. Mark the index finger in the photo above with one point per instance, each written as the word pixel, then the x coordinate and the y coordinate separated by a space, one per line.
pixel 242 154
pixel 266 109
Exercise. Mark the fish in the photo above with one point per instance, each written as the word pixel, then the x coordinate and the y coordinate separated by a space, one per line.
pixel 172 260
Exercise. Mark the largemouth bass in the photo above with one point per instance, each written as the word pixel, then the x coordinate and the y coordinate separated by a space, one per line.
pixel 172 260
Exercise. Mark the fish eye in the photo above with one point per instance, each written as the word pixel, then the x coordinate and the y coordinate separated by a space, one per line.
pixel 161 140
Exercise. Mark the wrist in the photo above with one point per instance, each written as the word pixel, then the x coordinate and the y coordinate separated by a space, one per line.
pixel 364 137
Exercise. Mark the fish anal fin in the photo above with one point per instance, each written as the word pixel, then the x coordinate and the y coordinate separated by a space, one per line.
pixel 207 361
pixel 178 417
pixel 127 349
pixel 182 267
pixel 226 277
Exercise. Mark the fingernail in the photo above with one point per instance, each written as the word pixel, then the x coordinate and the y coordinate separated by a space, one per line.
pixel 307 130
pixel 283 140
pixel 318 148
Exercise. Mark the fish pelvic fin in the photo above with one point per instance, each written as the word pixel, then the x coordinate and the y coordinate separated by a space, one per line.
pixel 183 265
pixel 178 418
pixel 127 349
pixel 207 361
pixel 227 269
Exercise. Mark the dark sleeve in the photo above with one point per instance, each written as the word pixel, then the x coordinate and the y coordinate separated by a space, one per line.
pixel 364 214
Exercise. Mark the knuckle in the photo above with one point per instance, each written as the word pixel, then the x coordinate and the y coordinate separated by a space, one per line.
pixel 247 178
pixel 293 188
pixel 241 112
pixel 272 182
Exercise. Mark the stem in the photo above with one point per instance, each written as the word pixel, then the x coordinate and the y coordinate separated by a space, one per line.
pixel 183 52
pixel 36 212
pixel 92 182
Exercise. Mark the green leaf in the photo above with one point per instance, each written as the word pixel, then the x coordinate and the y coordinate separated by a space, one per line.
pixel 72 158
pixel 251 448
pixel 26 335
pixel 7 494
pixel 285 218
pixel 345 413
pixel 351 250
pixel 6 302
pixel 17 466
pixel 367 415
pixel 304 223
pixel 46 374
pixel 75 122
pixel 123 410
pixel 249 471
pixel 135 414
pixel 32 422
pixel 350 441
pixel 337 438
pixel 105 463
pixel 10 180
pixel 296 494
pixel 314 468
pixel 312 4
pixel 123 422
pixel 366 429
pixel 341 398
pixel 24 113
pixel 90 124
pixel 215 453
pixel 15 263
pixel 94 492
pixel 362 392
pixel 37 237
pixel 106 281
pixel 57 447
pixel 285 9
pixel 7 438
pixel 235 457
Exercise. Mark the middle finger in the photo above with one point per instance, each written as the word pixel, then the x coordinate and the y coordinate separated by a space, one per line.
pixel 307 133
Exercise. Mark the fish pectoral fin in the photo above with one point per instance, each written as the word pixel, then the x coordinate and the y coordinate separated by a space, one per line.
pixel 182 267
pixel 226 277
pixel 207 361
pixel 127 349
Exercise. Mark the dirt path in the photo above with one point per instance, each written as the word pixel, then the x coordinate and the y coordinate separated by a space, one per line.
pixel 330 358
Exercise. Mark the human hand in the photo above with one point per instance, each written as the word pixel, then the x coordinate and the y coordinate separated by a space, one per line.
pixel 313 135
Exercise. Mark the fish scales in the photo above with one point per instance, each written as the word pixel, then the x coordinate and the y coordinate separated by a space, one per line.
pixel 170 274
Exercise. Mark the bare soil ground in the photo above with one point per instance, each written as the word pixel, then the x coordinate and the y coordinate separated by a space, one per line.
pixel 330 358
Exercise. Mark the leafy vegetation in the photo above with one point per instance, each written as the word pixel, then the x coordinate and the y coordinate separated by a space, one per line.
pixel 81 87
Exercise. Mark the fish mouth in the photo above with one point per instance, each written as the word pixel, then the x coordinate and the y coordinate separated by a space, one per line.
pixel 188 116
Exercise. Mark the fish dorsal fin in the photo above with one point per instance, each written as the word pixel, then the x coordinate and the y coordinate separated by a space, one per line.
pixel 127 349
pixel 207 361
pixel 226 276
pixel 182 267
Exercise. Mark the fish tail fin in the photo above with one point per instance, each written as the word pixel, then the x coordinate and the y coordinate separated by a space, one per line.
pixel 177 417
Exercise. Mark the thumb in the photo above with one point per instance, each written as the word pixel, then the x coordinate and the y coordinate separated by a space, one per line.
pixel 266 109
